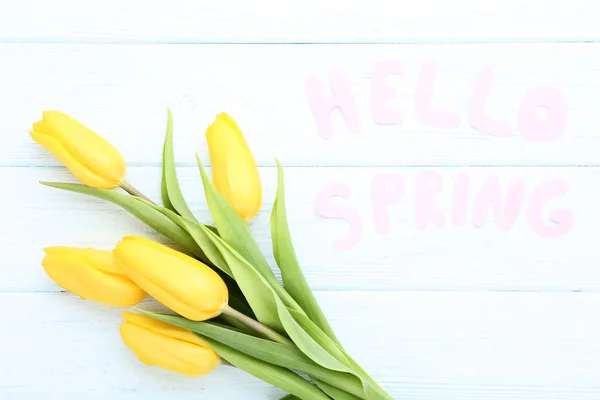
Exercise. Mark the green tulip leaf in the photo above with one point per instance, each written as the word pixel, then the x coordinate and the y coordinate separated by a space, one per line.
pixel 285 256
pixel 335 392
pixel 170 191
pixel 306 343
pixel 372 390
pixel 197 232
pixel 271 310
pixel 235 232
pixel 319 336
pixel 164 191
pixel 276 376
pixel 213 255
pixel 232 228
pixel 370 387
pixel 255 288
pixel 141 210
pixel 265 350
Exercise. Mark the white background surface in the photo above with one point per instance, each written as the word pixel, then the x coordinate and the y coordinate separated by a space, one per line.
pixel 434 314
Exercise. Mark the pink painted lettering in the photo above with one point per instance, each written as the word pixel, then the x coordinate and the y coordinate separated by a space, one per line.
pixel 322 105
pixel 326 209
pixel 477 115
pixel 550 128
pixel 429 184
pixel 380 93
pixel 563 219
pixel 460 199
pixel 491 193
pixel 386 189
pixel 424 101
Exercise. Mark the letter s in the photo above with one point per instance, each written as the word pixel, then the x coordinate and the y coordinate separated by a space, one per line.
pixel 325 209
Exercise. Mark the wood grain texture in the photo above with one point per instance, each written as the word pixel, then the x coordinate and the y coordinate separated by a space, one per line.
pixel 421 345
pixel 122 92
pixel 436 314
pixel 350 21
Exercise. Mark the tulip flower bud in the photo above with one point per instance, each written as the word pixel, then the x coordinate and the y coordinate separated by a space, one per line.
pixel 178 281
pixel 234 170
pixel 166 346
pixel 93 160
pixel 91 274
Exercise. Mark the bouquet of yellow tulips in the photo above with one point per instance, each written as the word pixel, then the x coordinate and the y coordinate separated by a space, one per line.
pixel 227 306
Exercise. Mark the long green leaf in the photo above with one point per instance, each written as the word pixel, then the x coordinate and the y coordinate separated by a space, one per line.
pixel 294 280
pixel 265 350
pixel 170 191
pixel 254 286
pixel 198 233
pixel 213 255
pixel 276 376
pixel 141 210
pixel 336 393
pixel 232 228
pixel 319 336
pixel 164 192
pixel 268 306
pixel 371 389
pixel 306 343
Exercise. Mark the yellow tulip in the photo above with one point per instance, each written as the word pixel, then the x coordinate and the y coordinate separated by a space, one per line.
pixel 234 170
pixel 91 274
pixel 93 160
pixel 180 282
pixel 167 346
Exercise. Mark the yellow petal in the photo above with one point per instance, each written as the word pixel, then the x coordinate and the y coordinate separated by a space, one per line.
pixel 93 160
pixel 172 354
pixel 73 274
pixel 234 170
pixel 39 126
pixel 163 328
pixel 81 172
pixel 183 284
pixel 101 260
pixel 142 241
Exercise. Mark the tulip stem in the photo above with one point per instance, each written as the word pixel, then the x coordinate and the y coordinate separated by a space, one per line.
pixel 256 326
pixel 126 186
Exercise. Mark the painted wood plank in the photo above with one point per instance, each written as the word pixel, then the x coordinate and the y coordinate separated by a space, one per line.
pixel 123 91
pixel 419 345
pixel 310 21
pixel 449 257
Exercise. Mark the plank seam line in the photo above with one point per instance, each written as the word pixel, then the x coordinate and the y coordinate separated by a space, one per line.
pixel 472 291
pixel 192 165
pixel 299 43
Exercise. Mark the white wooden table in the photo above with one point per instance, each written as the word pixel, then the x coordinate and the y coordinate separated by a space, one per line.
pixel 454 311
